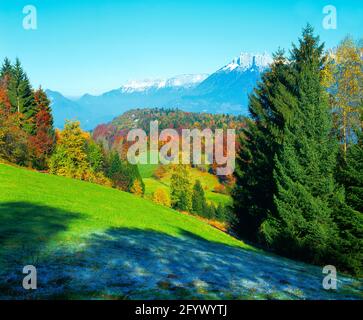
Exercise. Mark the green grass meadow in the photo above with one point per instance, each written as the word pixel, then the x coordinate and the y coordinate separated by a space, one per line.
pixel 43 207
pixel 93 242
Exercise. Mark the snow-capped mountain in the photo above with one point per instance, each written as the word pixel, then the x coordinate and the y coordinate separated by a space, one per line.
pixel 246 61
pixel 225 91
pixel 185 80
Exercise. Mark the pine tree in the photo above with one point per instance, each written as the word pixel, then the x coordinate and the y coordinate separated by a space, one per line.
pixel 302 226
pixel 198 199
pixel 270 107
pixel 123 174
pixel 220 213
pixel 21 97
pixel 96 156
pixel 352 174
pixel 210 212
pixel 114 170
pixel 349 216
pixel 180 189
pixel 6 70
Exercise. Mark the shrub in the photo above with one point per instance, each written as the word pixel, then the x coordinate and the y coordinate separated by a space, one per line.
pixel 160 172
pixel 220 188
pixel 137 188
pixel 160 196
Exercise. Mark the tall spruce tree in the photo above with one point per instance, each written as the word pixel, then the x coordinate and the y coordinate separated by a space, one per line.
pixel 349 216
pixel 6 69
pixel 21 97
pixel 270 107
pixel 351 172
pixel 199 202
pixel 302 226
pixel 123 174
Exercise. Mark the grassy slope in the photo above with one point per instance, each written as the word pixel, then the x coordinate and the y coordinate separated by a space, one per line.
pixel 42 214
pixel 81 208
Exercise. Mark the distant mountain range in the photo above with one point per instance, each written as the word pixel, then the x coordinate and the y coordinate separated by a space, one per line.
pixel 225 91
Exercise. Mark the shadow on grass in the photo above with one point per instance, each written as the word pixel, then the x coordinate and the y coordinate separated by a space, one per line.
pixel 124 263
pixel 23 223
pixel 25 231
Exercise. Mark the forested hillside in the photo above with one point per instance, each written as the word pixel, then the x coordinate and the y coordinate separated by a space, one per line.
pixel 294 192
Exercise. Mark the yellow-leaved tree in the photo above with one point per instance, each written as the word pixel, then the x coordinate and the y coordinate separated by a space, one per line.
pixel 347 88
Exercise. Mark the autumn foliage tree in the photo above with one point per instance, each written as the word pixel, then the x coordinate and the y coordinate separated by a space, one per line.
pixel 347 88
pixel 160 196
pixel 13 140
pixel 70 157
pixel 43 140
pixel 26 119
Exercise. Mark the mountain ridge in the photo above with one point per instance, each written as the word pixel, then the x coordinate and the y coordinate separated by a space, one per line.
pixel 224 91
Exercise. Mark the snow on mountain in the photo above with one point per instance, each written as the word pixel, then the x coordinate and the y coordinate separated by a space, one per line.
pixel 186 80
pixel 247 61
pixel 225 90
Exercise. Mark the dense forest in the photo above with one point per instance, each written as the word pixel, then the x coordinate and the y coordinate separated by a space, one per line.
pixel 111 133
pixel 299 169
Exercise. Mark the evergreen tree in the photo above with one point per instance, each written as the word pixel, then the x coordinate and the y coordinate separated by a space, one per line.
pixel 21 97
pixel 210 211
pixel 6 70
pixel 114 170
pixel 348 248
pixel 96 156
pixel 349 216
pixel 180 189
pixel 123 174
pixel 270 107
pixel 352 174
pixel 220 213
pixel 302 226
pixel 198 199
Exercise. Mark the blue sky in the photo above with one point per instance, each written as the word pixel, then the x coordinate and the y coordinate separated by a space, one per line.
pixel 94 46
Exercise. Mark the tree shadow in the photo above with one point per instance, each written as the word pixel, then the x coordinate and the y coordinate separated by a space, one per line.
pixel 125 263
pixel 22 222
pixel 25 231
